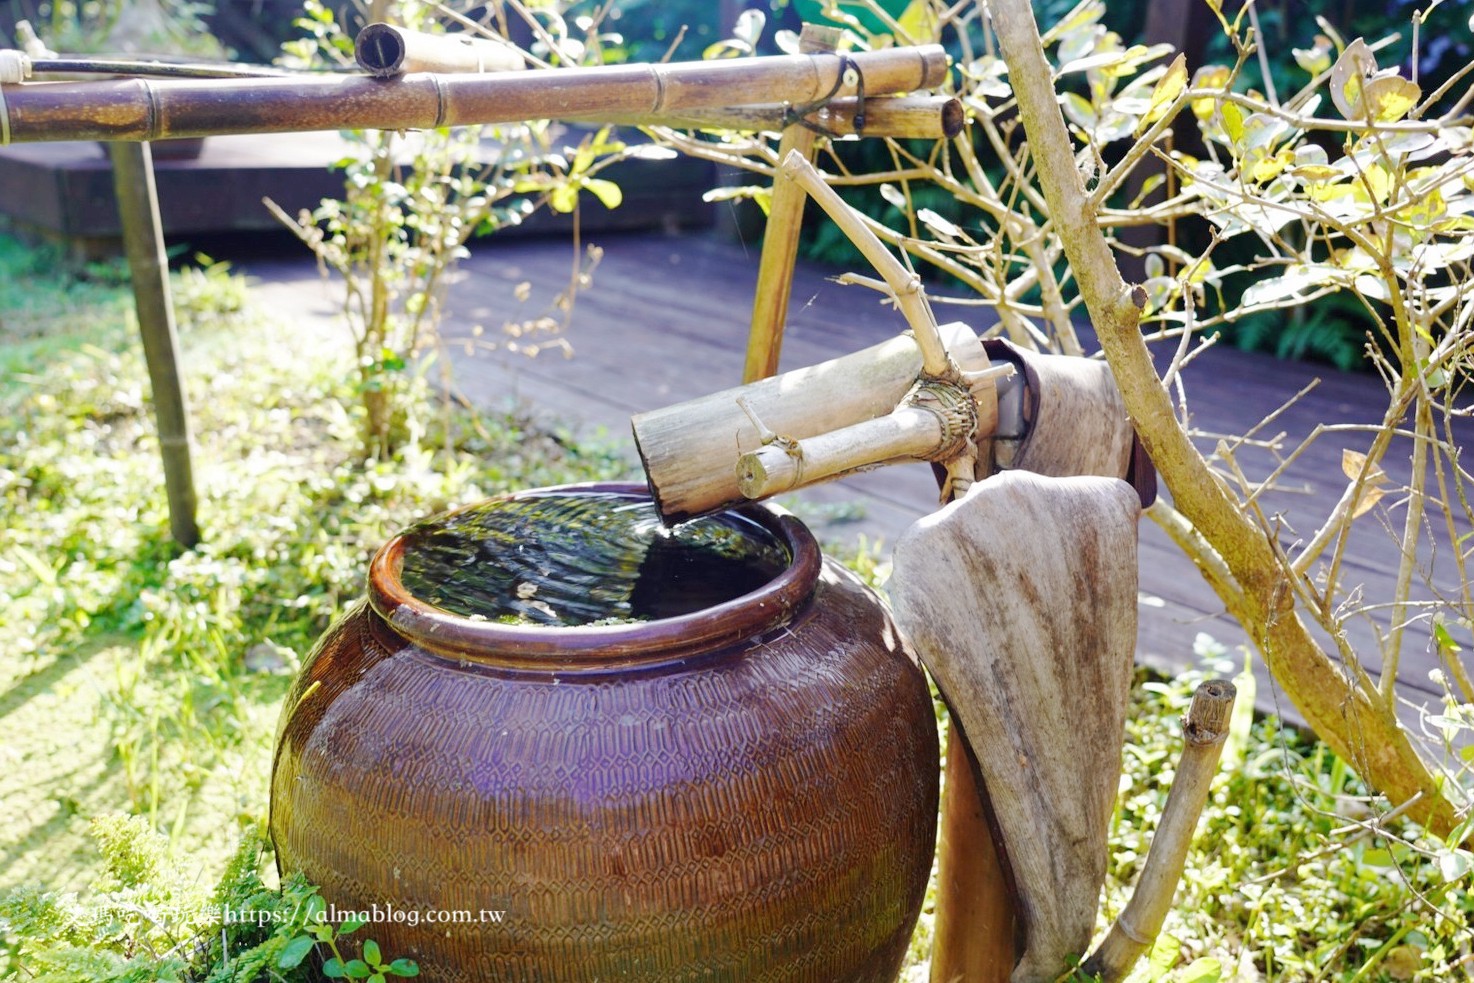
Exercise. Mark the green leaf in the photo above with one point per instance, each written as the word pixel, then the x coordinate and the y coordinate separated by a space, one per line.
pixel 333 969
pixel 371 954
pixel 350 926
pixel 357 969
pixel 1233 123
pixel 1165 951
pixel 404 967
pixel 1390 98
pixel 1204 970
pixel 295 951
pixel 564 198
pixel 1455 864
pixel 1168 88
pixel 606 191
pixel 1209 77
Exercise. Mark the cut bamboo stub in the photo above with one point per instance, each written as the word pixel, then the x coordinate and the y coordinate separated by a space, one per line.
pixel 1205 728
pixel 689 449
pixel 385 51
pixel 137 109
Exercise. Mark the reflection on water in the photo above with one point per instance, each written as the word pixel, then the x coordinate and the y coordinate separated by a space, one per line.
pixel 582 557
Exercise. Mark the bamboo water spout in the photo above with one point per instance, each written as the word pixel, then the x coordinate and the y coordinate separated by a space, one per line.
pixel 138 109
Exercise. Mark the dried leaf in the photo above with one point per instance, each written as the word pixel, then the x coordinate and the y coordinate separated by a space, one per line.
pixel 1352 463
pixel 1169 87
pixel 893 194
pixel 938 224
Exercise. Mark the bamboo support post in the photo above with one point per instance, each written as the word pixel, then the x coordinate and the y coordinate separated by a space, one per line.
pixel 780 240
pixel 976 924
pixel 386 51
pixel 141 109
pixel 1204 730
pixel 143 241
pixel 904 285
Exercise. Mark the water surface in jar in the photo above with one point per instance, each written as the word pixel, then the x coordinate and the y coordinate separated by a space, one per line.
pixel 581 558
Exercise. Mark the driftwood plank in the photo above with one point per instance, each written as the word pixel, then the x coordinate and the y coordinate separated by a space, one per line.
pixel 1020 598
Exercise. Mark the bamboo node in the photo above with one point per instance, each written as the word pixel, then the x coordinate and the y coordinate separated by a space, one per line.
pixel 4 120
pixel 1131 932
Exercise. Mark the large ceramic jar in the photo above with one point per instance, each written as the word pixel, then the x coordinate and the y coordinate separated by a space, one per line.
pixel 743 792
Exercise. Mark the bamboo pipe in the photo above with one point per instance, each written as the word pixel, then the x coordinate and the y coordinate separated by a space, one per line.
pixel 906 434
pixel 688 449
pixel 138 109
pixel 386 51
pixel 902 117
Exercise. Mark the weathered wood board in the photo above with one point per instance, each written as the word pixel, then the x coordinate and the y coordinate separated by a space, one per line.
pixel 1020 598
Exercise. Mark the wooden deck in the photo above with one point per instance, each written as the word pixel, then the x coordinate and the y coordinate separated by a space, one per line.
pixel 63 191
pixel 666 320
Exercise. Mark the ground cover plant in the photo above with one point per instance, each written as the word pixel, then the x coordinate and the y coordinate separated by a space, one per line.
pixel 146 682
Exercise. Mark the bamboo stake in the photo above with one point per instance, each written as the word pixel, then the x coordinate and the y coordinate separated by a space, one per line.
pixel 1204 730
pixel 139 109
pixel 143 241
pixel 780 240
pixel 385 50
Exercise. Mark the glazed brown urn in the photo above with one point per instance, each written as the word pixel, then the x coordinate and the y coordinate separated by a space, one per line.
pixel 742 792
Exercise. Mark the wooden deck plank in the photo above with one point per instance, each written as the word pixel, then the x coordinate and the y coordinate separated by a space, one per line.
pixel 666 320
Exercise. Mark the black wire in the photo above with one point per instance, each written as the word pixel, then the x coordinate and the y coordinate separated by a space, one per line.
pixel 799 114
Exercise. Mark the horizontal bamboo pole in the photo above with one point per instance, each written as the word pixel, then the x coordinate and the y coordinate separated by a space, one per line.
pixel 139 109
pixel 385 50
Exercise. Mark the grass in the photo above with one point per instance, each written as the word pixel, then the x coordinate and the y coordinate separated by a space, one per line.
pixel 141 687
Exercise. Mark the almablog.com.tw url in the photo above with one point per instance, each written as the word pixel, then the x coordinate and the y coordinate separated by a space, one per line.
pixel 375 914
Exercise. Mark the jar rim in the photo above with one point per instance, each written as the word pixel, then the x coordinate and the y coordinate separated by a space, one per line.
pixel 594 648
